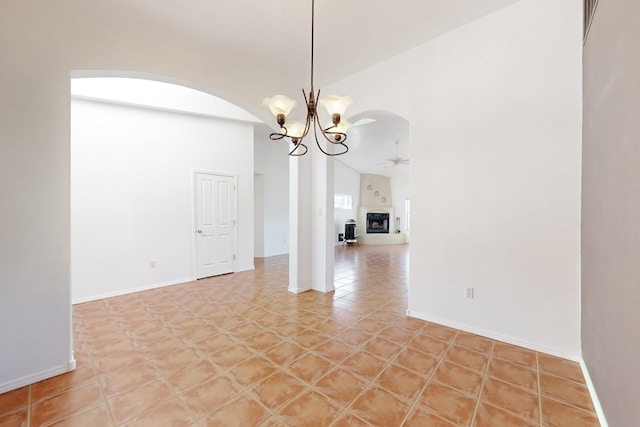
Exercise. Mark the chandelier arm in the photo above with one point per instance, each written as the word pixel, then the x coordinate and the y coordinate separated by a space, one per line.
pixel 332 138
pixel 293 153
pixel 307 126
pixel 339 141
pixel 276 136
pixel 315 135
pixel 311 102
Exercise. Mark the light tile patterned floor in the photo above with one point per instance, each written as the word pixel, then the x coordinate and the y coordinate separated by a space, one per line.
pixel 239 350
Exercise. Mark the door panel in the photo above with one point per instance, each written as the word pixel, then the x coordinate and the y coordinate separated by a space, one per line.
pixel 215 228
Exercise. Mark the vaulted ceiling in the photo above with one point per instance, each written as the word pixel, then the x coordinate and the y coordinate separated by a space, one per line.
pixel 273 38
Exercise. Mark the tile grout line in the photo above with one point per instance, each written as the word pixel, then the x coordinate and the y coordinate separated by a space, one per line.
pixel 355 305
pixel 428 381
pixel 484 378
pixel 104 398
pixel 539 390
pixel 29 406
pixel 359 347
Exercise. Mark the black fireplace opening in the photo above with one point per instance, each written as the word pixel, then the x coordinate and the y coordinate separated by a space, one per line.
pixel 378 223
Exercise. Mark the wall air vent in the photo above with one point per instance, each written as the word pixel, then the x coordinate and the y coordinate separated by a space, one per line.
pixel 589 10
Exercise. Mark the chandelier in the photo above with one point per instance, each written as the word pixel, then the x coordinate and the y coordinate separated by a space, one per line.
pixel 334 131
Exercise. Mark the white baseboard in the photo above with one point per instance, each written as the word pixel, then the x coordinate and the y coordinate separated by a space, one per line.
pixel 325 289
pixel 298 290
pixel 39 376
pixel 130 290
pixel 496 336
pixel 247 267
pixel 594 395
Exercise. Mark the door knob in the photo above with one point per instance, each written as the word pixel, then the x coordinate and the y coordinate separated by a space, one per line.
pixel 199 231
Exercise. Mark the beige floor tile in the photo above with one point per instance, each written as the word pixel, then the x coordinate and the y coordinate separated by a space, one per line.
pixel 401 382
pixel 341 385
pixel 562 368
pixel 310 367
pixel 379 407
pixel 440 332
pixel 278 389
pixel 240 349
pixel 14 400
pixel 490 416
pixel 130 404
pixel 420 417
pixel 170 413
pixel 518 355
pixel 364 364
pixel 334 350
pixel 243 412
pixel 462 356
pixel 511 373
pixel 98 416
pixel 67 403
pixel 427 344
pixel 348 419
pixel 382 348
pixel 566 391
pixel 473 342
pixel 558 414
pixel 192 375
pixel 512 399
pixel 15 418
pixel 459 378
pixel 253 371
pixel 448 403
pixel 310 409
pixel 206 397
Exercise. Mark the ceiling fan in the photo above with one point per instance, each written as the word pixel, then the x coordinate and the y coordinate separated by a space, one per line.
pixel 394 161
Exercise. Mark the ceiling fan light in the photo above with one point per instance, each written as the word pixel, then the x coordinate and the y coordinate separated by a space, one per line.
pixel 279 104
pixel 336 104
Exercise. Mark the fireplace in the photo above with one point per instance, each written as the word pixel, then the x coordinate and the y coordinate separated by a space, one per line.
pixel 377 222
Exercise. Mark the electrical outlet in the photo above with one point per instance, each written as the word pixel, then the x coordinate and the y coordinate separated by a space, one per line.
pixel 152 263
pixel 468 292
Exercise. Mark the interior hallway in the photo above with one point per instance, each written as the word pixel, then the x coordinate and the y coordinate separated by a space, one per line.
pixel 241 350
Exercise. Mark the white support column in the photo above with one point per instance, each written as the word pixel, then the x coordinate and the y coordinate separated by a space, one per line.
pixel 323 222
pixel 300 223
pixel 311 249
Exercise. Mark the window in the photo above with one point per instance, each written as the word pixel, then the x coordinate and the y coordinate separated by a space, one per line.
pixel 407 212
pixel 342 201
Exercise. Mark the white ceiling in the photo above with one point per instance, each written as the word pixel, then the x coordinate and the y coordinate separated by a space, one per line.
pixel 273 37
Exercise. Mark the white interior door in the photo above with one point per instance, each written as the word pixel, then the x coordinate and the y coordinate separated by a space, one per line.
pixel 215 224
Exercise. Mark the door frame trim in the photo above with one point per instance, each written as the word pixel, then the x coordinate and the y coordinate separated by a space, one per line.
pixel 194 224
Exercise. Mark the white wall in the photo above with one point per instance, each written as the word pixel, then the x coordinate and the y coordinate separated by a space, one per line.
pixel 495 114
pixel 258 215
pixel 272 165
pixel 132 194
pixel 611 208
pixel 494 85
pixel 346 181
pixel 46 47
pixel 401 191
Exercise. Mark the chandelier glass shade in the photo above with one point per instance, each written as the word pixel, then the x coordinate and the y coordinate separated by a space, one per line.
pixel 334 131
